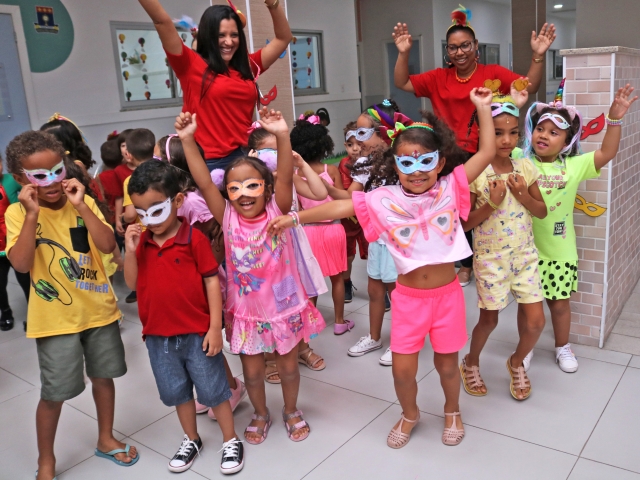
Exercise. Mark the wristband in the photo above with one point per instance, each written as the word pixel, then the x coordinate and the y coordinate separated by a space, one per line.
pixel 614 122
pixel 273 5
pixel 537 60
pixel 491 204
pixel 294 216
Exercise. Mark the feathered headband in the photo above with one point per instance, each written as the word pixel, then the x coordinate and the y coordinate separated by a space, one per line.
pixel 460 17
pixel 243 19
pixel 57 116
pixel 401 127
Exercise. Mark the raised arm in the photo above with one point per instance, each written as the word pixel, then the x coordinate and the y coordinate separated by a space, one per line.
pixel 186 129
pixel 611 140
pixel 279 44
pixel 539 46
pixel 481 98
pixel 169 36
pixel 403 40
pixel 327 211
pixel 313 188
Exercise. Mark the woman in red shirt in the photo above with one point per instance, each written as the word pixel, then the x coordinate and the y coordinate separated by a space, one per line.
pixel 219 79
pixel 449 88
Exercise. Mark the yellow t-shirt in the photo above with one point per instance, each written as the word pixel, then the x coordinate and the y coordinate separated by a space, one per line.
pixel 126 201
pixel 66 297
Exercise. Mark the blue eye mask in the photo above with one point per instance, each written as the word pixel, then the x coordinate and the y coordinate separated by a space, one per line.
pixel 426 162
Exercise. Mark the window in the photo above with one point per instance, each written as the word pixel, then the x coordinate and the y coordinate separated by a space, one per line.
pixel 557 64
pixel 307 63
pixel 145 79
pixel 488 54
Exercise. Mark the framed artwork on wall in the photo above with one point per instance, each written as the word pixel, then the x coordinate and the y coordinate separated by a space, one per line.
pixel 307 63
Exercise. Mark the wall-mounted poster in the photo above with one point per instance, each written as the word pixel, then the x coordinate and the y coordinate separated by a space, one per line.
pixel 307 63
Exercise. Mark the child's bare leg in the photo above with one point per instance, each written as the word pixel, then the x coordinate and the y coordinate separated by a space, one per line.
pixel 253 369
pixel 447 367
pixel 47 416
pixel 337 293
pixel 290 376
pixel 405 369
pixel 231 380
pixel 561 319
pixel 486 324
pixel 376 290
pixel 187 416
pixel 530 326
pixel 347 274
pixel 224 416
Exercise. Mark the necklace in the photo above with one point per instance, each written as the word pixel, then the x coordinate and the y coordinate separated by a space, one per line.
pixel 465 80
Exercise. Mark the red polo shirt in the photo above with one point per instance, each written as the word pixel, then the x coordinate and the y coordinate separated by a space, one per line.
pixel 450 98
pixel 122 172
pixel 171 294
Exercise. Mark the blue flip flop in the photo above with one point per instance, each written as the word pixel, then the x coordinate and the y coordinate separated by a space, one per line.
pixel 54 478
pixel 112 456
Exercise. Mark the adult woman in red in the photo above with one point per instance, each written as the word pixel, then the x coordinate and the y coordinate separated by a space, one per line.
pixel 218 79
pixel 449 88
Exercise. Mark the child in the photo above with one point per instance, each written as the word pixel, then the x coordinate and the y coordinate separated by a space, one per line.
pixel 352 228
pixel 111 185
pixel 504 198
pixel 552 141
pixel 372 139
pixel 56 233
pixel 419 222
pixel 122 171
pixel 181 319
pixel 140 144
pixel 6 315
pixel 328 241
pixel 266 308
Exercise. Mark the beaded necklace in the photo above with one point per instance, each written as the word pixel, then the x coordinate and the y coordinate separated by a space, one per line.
pixel 465 80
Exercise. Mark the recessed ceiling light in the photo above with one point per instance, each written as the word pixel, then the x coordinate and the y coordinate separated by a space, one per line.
pixel 558 6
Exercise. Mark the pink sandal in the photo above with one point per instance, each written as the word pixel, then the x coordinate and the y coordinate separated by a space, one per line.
pixel 291 429
pixel 262 431
pixel 452 435
pixel 471 379
pixel 340 328
pixel 397 438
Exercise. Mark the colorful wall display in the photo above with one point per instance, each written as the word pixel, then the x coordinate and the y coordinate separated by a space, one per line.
pixel 307 65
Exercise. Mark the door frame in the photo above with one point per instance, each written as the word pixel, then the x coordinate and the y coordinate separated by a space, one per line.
pixel 23 57
pixel 386 65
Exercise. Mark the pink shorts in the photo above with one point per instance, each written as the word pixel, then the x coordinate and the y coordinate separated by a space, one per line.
pixel 437 312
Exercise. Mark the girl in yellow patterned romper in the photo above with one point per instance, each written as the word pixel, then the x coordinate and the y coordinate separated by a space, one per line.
pixel 505 197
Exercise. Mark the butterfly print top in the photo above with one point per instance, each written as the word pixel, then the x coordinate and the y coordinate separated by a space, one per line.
pixel 418 230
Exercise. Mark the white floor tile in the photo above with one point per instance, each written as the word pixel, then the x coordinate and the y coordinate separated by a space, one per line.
pixel 11 386
pixel 19 357
pixel 635 361
pixel 588 470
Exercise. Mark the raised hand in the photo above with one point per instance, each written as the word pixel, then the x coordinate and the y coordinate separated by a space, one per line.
pixel 622 102
pixel 520 95
pixel 132 237
pixel 186 125
pixel 481 96
pixel 541 43
pixel 28 197
pixel 298 161
pixel 402 37
pixel 272 121
pixel 74 190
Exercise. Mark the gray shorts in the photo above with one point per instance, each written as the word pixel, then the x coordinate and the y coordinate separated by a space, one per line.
pixel 63 358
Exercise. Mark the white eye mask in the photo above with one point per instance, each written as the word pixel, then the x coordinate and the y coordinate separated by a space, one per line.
pixel 155 215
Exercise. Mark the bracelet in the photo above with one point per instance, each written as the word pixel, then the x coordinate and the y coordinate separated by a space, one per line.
pixel 491 204
pixel 294 216
pixel 614 122
pixel 537 60
pixel 273 5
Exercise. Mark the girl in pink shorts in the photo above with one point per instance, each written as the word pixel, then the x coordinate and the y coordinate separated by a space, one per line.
pixel 419 222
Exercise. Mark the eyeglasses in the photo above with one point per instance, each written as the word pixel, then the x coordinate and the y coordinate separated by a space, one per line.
pixel 466 47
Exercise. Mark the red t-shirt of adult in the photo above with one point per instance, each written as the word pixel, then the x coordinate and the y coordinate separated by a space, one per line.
pixel 450 98
pixel 225 112
pixel 172 299
pixel 112 187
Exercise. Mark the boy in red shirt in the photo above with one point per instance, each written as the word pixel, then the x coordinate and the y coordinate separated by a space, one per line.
pixel 351 225
pixel 111 185
pixel 172 268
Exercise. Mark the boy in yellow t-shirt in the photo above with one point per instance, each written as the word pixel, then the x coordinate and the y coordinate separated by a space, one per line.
pixel 72 311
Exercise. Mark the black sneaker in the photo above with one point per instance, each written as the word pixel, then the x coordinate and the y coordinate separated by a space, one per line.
pixel 132 297
pixel 232 457
pixel 387 302
pixel 186 454
pixel 348 291
pixel 6 320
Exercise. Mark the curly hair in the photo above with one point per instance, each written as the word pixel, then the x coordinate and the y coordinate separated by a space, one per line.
pixel 71 139
pixel 312 142
pixel 256 163
pixel 256 138
pixel 29 143
pixel 382 163
pixel 158 176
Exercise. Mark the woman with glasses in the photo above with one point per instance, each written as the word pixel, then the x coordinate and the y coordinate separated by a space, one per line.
pixel 449 88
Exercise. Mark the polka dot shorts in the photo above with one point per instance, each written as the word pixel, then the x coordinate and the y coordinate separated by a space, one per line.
pixel 558 279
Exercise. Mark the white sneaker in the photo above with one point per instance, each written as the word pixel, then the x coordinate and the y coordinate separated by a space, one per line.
pixel 364 345
pixel 526 363
pixel 226 346
pixel 566 359
pixel 386 359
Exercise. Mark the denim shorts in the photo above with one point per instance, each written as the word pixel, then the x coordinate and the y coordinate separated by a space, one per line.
pixel 178 363
pixel 380 264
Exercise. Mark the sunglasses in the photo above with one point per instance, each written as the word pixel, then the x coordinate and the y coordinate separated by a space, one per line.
pixel 426 162
pixel 251 187
pixel 43 177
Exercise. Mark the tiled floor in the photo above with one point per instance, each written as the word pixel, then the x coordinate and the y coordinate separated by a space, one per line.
pixel 578 426
pixel 625 336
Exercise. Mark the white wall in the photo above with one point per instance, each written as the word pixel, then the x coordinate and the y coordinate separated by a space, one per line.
pixel 85 87
pixel 336 19
pixel 565 24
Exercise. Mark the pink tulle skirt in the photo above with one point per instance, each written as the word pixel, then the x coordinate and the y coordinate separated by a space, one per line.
pixel 329 246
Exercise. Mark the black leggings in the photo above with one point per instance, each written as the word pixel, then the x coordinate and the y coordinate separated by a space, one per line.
pixel 468 262
pixel 23 280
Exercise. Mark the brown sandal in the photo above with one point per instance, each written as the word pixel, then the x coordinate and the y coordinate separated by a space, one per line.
pixel 304 357
pixel 270 371
pixel 519 381
pixel 471 379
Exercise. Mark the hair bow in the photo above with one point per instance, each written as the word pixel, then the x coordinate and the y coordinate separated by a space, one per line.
pixel 401 127
pixel 313 119
pixel 254 126
pixel 398 119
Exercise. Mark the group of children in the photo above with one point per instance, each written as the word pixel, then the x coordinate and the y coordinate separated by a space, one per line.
pixel 242 257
